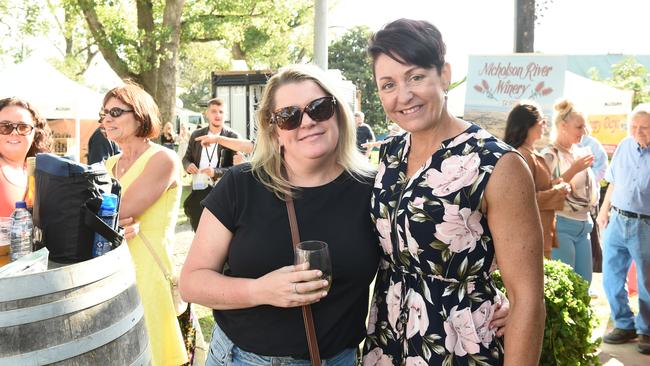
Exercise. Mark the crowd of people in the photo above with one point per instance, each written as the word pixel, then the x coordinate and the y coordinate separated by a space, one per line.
pixel 429 223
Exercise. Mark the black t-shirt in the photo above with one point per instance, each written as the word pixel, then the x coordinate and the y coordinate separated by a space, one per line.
pixel 364 134
pixel 337 213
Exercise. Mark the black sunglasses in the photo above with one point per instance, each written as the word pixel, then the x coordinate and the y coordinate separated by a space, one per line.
pixel 289 118
pixel 113 112
pixel 6 128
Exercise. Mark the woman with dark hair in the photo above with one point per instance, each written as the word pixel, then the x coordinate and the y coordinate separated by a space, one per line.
pixel 525 126
pixel 23 133
pixel 151 186
pixel 449 200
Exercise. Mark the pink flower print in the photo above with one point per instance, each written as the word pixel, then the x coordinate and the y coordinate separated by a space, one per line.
pixel 383 227
pixel 461 228
pixel 380 175
pixel 482 134
pixel 376 357
pixel 416 361
pixel 470 287
pixel 393 302
pixel 460 139
pixel 372 317
pixel 455 173
pixel 539 86
pixel 418 317
pixel 482 317
pixel 461 335
pixel 418 202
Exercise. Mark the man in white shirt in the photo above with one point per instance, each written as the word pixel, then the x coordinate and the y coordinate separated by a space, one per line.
pixel 207 163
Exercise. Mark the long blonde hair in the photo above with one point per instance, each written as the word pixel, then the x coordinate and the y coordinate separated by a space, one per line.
pixel 267 161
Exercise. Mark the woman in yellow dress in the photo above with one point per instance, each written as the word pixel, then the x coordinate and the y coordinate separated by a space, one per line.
pixel 151 193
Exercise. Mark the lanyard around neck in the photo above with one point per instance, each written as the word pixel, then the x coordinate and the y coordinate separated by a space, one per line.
pixel 211 155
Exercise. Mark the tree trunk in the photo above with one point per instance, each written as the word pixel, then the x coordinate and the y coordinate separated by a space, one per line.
pixel 524 26
pixel 166 83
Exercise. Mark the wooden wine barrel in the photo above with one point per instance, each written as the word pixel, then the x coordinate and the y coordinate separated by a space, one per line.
pixel 87 313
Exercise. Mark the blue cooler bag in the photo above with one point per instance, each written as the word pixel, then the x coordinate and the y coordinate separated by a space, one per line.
pixel 68 197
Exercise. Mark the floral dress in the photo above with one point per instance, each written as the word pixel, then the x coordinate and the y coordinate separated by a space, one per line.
pixel 434 298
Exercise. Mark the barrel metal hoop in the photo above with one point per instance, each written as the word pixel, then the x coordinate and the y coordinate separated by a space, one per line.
pixel 144 358
pixel 60 279
pixel 119 283
pixel 79 346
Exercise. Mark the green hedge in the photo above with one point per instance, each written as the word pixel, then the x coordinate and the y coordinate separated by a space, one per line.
pixel 570 321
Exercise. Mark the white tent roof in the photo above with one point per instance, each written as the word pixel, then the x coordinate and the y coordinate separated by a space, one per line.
pixel 53 94
pixel 596 97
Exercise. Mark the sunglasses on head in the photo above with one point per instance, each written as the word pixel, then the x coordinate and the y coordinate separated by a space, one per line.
pixel 6 128
pixel 113 112
pixel 289 118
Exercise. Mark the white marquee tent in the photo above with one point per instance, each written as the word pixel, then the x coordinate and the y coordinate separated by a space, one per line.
pixel 53 94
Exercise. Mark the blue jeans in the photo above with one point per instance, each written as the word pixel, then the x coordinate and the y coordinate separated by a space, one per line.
pixel 575 245
pixel 626 239
pixel 225 353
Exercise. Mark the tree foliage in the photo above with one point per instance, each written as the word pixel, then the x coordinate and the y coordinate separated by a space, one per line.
pixel 142 40
pixel 349 55
pixel 628 74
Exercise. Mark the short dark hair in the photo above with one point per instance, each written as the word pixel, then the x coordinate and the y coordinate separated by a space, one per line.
pixel 144 107
pixel 521 118
pixel 42 134
pixel 407 41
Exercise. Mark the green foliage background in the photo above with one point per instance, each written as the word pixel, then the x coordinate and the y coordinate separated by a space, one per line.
pixel 348 54
pixel 570 320
pixel 628 74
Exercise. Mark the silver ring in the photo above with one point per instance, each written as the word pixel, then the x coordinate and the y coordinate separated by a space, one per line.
pixel 295 289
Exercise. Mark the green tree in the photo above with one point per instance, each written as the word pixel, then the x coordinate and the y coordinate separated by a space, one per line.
pixel 142 40
pixel 628 74
pixel 21 22
pixel 349 55
pixel 196 63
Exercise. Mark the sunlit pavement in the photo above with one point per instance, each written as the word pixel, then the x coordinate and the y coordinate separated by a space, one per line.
pixel 614 354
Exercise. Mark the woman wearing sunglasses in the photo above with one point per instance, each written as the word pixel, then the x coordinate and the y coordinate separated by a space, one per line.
pixel 23 133
pixel 305 129
pixel 151 191
pixel 448 201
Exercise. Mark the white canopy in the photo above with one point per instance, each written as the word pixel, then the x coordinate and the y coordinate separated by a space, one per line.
pixel 596 97
pixel 52 93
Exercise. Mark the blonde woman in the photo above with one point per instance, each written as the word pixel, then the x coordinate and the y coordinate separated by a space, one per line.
pixel 307 129
pixel 168 136
pixel 573 164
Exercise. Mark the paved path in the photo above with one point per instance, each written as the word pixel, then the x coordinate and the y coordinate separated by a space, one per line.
pixel 614 354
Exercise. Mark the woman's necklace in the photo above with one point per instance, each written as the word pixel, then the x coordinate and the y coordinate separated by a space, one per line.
pixel 23 178
pixel 119 171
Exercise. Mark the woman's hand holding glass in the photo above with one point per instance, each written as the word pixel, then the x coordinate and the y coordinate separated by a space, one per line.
pixel 290 286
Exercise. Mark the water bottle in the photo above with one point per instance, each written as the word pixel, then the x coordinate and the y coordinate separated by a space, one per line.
pixel 21 231
pixel 108 214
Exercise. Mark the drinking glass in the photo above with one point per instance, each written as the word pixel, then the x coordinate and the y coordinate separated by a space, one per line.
pixel 317 255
